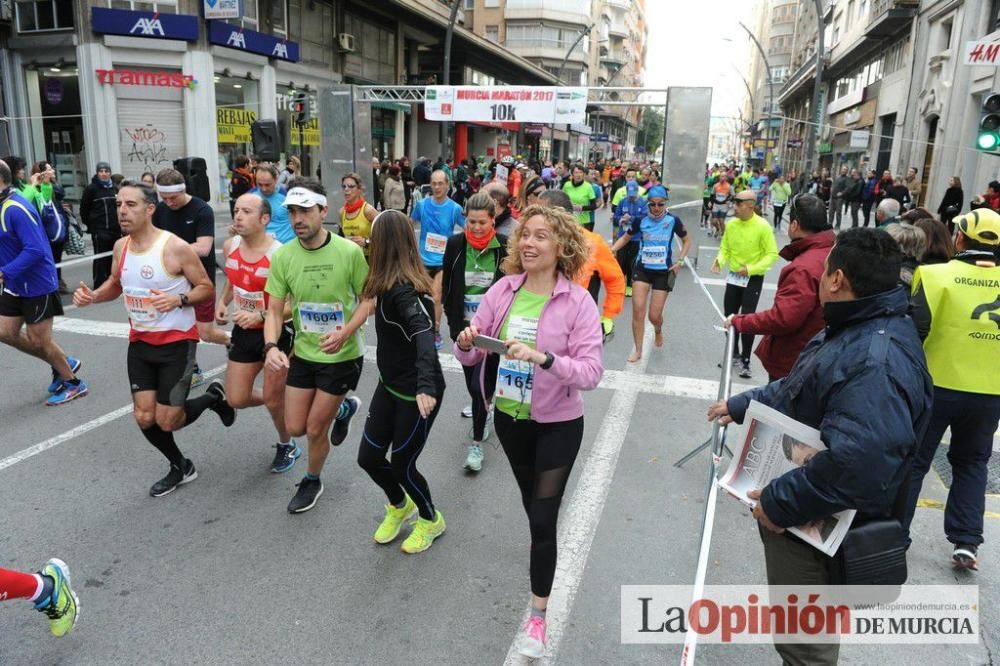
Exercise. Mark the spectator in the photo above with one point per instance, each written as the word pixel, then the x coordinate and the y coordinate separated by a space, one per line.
pixel 886 213
pixel 900 193
pixel 376 189
pixel 149 179
pixel 289 173
pixel 117 179
pixel 504 220
pixel 241 181
pixel 17 166
pixel 868 196
pixel 884 185
pixel 266 177
pixel 393 196
pixel 838 383
pixel 912 243
pixel 406 176
pixel 48 200
pixel 951 202
pixel 100 216
pixel 796 315
pixel 940 247
pixel 912 182
pixel 991 199
pixel 962 358
pixel 837 197
pixel 383 175
pixel 915 214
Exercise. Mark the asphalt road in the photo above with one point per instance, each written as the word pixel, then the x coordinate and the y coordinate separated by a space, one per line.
pixel 218 572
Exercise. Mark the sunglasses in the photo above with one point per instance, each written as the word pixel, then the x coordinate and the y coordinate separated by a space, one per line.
pixel 653 204
pixel 348 186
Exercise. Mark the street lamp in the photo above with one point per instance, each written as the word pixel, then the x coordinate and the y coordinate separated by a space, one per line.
pixel 770 93
pixel 444 134
pixel 597 118
pixel 753 105
pixel 562 66
pixel 817 85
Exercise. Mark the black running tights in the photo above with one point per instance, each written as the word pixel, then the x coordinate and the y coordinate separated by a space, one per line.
pixel 743 300
pixel 541 456
pixel 395 425
pixel 475 379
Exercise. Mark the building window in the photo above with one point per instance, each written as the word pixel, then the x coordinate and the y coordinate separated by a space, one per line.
pixel 144 5
pixel 493 33
pixel 491 3
pixel 470 5
pixel 836 29
pixel 849 15
pixel 44 15
pixel 249 18
pixel 944 40
pixel 278 21
pixel 896 56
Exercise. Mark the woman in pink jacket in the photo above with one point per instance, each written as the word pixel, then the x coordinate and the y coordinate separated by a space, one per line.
pixel 553 335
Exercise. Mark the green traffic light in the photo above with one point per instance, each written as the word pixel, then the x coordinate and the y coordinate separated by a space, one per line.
pixel 988 141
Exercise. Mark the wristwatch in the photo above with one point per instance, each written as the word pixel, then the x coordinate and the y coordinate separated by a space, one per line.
pixel 549 360
pixel 184 300
pixel 268 346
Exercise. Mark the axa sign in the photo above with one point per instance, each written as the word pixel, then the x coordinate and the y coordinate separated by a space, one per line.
pixel 153 25
pixel 251 41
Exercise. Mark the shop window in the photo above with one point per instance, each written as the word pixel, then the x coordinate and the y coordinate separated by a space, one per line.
pixel 145 5
pixel 44 15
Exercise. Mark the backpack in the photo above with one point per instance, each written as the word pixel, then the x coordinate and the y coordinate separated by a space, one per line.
pixel 53 222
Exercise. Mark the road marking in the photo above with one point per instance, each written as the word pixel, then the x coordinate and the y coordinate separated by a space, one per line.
pixel 93 424
pixel 583 513
pixel 934 504
pixel 717 282
pixel 103 329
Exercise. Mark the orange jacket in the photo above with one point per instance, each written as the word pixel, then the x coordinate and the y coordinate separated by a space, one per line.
pixel 602 261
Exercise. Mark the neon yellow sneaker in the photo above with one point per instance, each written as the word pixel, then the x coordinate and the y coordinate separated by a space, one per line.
pixel 62 605
pixel 389 528
pixel 423 534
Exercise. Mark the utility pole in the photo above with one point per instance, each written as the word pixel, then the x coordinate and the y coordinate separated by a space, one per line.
pixel 562 66
pixel 770 94
pixel 817 89
pixel 444 129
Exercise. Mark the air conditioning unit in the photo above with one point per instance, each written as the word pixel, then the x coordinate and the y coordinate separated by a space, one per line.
pixel 346 42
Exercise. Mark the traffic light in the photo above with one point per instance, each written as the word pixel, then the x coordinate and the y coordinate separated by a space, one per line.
pixel 300 107
pixel 988 137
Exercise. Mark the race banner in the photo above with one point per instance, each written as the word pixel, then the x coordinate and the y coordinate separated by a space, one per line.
pixel 514 104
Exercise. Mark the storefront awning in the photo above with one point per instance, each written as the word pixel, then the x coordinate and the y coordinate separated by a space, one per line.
pixel 392 106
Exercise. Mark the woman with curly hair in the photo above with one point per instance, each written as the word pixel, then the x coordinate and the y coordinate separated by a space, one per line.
pixel 552 332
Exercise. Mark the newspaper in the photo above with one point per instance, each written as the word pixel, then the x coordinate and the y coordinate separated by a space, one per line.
pixel 773 445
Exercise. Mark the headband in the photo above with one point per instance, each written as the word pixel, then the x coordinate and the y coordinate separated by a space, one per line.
pixel 171 189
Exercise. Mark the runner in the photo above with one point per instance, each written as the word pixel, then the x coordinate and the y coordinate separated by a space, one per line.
pixel 437 216
pixel 554 352
pixel 781 192
pixel 749 249
pixel 162 280
pixel 193 221
pixel 632 207
pixel 655 270
pixel 472 264
pixel 722 196
pixel 29 292
pixel 321 276
pixel 49 590
pixel 266 179
pixel 356 215
pixel 248 259
pixel 411 384
pixel 581 193
pixel 601 267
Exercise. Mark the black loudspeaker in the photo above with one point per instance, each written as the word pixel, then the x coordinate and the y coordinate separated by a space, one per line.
pixel 265 140
pixel 195 172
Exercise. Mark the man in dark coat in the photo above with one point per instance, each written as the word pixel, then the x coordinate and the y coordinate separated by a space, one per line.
pixel 796 315
pixel 863 383
pixel 99 215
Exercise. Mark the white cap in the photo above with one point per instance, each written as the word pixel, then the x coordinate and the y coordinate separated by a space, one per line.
pixel 304 198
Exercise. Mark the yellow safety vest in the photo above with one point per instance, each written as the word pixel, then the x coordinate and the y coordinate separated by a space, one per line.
pixel 963 346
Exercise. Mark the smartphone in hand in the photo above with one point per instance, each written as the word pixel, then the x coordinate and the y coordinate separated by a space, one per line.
pixel 490 344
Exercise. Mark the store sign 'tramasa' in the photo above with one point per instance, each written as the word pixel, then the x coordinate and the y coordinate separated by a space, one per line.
pixel 136 77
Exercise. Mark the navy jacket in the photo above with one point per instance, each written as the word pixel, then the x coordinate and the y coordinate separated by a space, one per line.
pixel 863 383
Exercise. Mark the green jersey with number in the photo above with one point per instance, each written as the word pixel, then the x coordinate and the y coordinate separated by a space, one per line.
pixel 580 195
pixel 515 378
pixel 324 286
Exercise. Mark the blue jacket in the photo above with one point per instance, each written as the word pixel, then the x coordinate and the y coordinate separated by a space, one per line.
pixel 863 383
pixel 25 256
pixel 868 193
pixel 636 208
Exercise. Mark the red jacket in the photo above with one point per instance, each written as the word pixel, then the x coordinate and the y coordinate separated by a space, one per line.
pixel 796 315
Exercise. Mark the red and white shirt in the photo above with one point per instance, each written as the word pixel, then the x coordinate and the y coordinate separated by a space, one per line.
pixel 140 273
pixel 248 279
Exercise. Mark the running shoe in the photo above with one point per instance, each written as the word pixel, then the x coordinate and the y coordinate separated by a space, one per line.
pixel 531 641
pixel 628 292
pixel 437 341
pixel 423 534
pixel 389 528
pixel 306 496
pixel 965 556
pixel 174 478
pixel 61 606
pixel 474 461
pixel 467 412
pixel 198 377
pixel 67 391
pixel 745 370
pixel 74 364
pixel 341 429
pixel 285 457
pixel 226 413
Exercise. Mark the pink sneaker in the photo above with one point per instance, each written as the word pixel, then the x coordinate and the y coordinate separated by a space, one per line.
pixel 531 642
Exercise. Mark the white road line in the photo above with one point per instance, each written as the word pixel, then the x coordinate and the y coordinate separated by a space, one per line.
pixel 583 513
pixel 103 329
pixel 62 438
pixel 716 282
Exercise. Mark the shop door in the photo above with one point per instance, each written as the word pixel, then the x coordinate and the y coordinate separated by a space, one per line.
pixel 151 135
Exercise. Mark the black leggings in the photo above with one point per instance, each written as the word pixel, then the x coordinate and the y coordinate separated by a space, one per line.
pixel 395 421
pixel 743 300
pixel 626 260
pixel 479 403
pixel 778 212
pixel 541 456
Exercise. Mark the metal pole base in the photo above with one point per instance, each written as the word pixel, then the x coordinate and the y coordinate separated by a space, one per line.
pixel 701 447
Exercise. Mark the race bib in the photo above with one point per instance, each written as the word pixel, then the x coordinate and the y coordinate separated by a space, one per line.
pixel 737 280
pixel 139 304
pixel 435 243
pixel 321 317
pixel 721 198
pixel 480 279
pixel 472 302
pixel 654 256
pixel 515 379
pixel 248 301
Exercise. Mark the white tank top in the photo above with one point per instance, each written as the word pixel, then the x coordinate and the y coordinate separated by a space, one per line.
pixel 143 272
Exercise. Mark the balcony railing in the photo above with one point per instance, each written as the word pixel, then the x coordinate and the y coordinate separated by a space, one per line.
pixel 891 17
